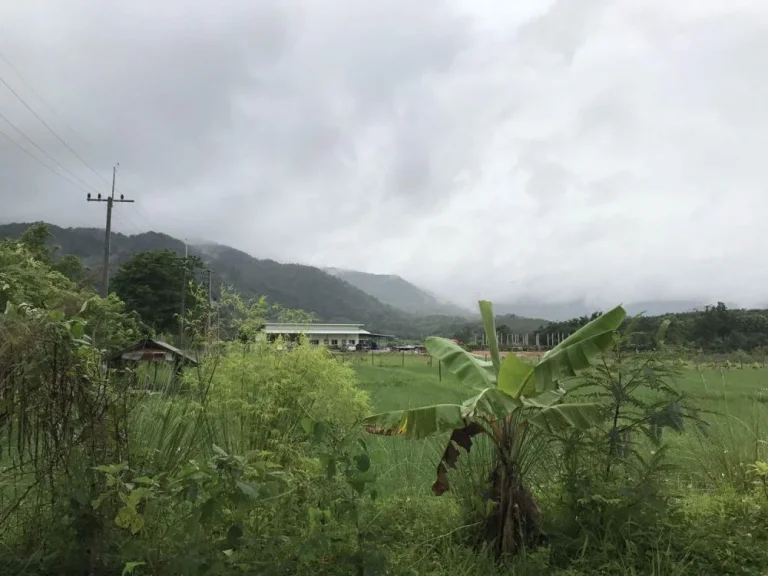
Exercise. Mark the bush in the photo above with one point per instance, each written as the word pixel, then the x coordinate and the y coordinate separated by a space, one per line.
pixel 259 396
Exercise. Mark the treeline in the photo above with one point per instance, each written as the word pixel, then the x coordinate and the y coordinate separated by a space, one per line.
pixel 716 329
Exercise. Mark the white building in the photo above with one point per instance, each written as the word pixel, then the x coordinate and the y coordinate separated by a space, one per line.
pixel 331 335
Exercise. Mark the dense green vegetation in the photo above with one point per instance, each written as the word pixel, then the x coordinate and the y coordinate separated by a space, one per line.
pixel 264 460
pixel 715 329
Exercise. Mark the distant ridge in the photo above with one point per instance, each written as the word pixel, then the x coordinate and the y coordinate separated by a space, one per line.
pixel 291 285
pixel 398 292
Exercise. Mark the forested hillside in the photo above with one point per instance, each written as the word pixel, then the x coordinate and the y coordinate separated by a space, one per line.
pixel 291 285
pixel 398 292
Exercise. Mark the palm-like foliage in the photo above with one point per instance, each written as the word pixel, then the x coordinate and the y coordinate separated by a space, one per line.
pixel 512 396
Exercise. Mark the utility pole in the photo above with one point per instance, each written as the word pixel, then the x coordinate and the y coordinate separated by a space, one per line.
pixel 110 200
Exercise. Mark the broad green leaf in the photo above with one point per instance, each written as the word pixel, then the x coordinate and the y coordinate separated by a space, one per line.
pixel 470 370
pixel 543 400
pixel 513 375
pixel 416 422
pixel 607 322
pixel 56 315
pixel 574 353
pixel 308 425
pixel 127 517
pixel 136 494
pixel 486 312
pixel 76 328
pixel 490 402
pixel 561 416
pixel 249 489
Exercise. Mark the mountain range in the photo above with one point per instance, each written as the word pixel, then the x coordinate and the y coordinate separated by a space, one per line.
pixel 297 286
pixel 384 303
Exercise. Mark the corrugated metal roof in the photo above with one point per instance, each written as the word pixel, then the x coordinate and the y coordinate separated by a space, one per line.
pixel 315 330
pixel 150 343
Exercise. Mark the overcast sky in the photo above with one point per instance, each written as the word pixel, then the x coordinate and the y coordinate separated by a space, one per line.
pixel 613 150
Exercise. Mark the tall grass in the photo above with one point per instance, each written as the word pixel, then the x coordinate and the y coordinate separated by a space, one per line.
pixel 719 455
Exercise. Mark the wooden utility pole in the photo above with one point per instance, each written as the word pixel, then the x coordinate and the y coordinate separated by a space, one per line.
pixel 110 200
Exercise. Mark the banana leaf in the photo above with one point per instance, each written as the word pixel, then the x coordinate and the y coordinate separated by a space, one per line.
pixel 562 416
pixel 486 312
pixel 416 423
pixel 569 357
pixel 470 370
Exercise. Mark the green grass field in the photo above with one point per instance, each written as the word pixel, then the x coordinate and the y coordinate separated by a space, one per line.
pixel 734 402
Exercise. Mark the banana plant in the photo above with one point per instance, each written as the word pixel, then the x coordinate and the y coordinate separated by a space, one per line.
pixel 513 395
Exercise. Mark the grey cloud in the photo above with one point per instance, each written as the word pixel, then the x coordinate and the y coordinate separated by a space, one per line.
pixel 558 148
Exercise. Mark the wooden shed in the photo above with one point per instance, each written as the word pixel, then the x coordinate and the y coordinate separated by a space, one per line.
pixel 149 350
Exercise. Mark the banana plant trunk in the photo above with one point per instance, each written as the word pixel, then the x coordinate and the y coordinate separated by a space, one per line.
pixel 515 523
pixel 516 520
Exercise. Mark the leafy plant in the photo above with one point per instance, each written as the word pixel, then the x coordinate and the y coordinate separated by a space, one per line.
pixel 512 397
pixel 638 394
pixel 342 457
pixel 206 505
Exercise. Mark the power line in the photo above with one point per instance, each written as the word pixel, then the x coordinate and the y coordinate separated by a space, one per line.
pixel 40 97
pixel 51 158
pixel 69 126
pixel 44 123
pixel 59 116
pixel 36 159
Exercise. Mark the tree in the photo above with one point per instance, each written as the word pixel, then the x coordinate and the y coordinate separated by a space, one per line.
pixel 152 284
pixel 513 395
pixel 35 238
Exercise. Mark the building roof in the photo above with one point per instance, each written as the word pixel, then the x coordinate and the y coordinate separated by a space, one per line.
pixel 284 328
pixel 310 329
pixel 148 344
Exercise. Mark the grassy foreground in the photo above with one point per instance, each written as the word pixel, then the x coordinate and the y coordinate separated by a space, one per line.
pixel 716 519
pixel 226 474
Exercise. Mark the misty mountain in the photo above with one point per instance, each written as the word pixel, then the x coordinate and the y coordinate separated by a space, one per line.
pixel 291 285
pixel 400 293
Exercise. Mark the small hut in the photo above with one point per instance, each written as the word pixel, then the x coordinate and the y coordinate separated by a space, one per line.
pixel 149 350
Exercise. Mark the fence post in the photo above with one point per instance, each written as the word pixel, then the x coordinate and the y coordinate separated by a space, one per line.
pixel 440 370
